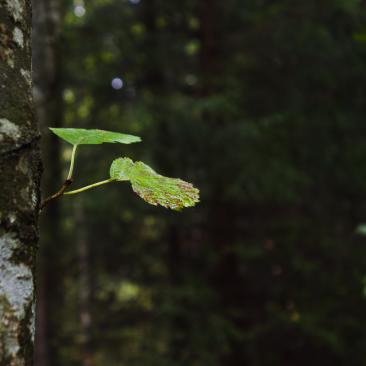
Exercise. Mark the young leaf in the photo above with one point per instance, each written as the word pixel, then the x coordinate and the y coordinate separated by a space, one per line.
pixel 80 136
pixel 154 188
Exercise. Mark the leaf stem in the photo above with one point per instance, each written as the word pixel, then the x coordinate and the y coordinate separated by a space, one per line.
pixel 56 195
pixel 72 162
pixel 83 189
pixel 65 185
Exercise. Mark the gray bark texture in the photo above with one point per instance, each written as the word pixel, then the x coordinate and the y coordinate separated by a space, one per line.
pixel 20 172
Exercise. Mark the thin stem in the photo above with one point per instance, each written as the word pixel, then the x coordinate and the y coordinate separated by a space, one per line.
pixel 65 185
pixel 72 162
pixel 83 189
pixel 55 195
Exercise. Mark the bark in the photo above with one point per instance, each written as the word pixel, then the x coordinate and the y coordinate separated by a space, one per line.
pixel 47 20
pixel 19 186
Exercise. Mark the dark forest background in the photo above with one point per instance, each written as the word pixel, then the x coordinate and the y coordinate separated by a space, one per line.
pixel 259 103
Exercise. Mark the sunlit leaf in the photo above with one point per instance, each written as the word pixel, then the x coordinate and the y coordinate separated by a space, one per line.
pixel 79 136
pixel 154 188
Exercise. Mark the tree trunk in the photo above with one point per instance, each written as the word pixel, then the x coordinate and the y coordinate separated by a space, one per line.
pixel 209 46
pixel 47 19
pixel 19 182
pixel 86 352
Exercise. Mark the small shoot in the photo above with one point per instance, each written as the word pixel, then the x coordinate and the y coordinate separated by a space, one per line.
pixel 80 136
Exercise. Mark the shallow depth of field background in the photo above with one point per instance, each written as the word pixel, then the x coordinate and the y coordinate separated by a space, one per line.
pixel 262 105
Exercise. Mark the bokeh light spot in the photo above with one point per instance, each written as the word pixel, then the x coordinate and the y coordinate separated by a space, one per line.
pixel 117 83
pixel 191 79
pixel 192 47
pixel 79 11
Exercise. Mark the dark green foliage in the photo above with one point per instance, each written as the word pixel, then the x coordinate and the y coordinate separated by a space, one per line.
pixel 261 104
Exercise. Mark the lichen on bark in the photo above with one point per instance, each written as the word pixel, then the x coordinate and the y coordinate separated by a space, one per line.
pixel 19 182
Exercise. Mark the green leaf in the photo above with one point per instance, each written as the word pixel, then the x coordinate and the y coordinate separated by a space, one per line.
pixel 120 169
pixel 154 188
pixel 80 136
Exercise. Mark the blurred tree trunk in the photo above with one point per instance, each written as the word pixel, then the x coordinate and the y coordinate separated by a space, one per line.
pixel 209 45
pixel 48 100
pixel 224 275
pixel 84 286
pixel 19 182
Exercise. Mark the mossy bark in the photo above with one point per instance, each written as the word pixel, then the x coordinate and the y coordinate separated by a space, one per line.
pixel 19 186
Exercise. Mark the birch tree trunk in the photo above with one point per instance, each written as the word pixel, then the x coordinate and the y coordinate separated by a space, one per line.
pixel 19 186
